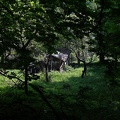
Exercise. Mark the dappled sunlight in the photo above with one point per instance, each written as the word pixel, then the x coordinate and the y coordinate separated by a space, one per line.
pixel 57 77
pixel 4 81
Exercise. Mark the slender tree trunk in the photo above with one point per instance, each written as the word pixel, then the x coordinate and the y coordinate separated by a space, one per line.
pixel 101 41
pixel 102 58
pixel 78 60
pixel 85 67
pixel 26 80
pixel 3 60
pixel 116 61
pixel 46 72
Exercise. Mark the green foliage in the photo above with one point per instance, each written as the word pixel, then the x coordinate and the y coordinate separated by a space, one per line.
pixel 68 68
pixel 106 35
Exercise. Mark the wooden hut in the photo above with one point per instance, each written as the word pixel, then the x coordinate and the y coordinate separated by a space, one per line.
pixel 57 61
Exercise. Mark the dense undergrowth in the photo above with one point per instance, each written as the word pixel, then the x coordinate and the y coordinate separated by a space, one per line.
pixel 72 97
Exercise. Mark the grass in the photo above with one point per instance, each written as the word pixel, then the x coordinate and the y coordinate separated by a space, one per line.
pixel 73 97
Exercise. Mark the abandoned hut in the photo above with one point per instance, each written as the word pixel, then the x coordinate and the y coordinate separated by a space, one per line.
pixel 57 61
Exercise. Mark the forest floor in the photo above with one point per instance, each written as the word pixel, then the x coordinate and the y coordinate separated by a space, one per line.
pixel 66 97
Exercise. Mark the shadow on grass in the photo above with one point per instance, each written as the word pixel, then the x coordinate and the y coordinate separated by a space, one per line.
pixel 15 105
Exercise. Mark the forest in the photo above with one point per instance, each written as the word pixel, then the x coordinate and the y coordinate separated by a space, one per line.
pixel 59 60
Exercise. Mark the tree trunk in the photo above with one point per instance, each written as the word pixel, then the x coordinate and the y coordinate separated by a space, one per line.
pixel 26 80
pixel 78 60
pixel 85 67
pixel 3 60
pixel 46 72
pixel 116 61
pixel 102 58
pixel 101 37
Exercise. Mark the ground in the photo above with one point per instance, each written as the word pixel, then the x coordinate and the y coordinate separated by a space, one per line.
pixel 72 97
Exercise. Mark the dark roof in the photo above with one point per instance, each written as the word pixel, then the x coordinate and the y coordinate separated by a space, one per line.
pixel 64 51
pixel 60 56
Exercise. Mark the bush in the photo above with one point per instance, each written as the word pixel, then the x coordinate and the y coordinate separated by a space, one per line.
pixel 68 68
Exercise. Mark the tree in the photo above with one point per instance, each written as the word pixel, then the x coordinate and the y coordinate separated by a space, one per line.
pixel 104 22
pixel 28 23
